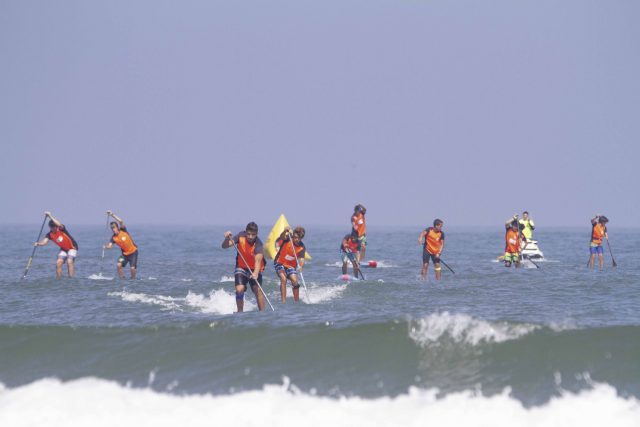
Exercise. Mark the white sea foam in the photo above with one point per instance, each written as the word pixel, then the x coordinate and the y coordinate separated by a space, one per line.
pixel 168 303
pixel 323 293
pixel 99 277
pixel 224 279
pixel 380 264
pixel 218 301
pixel 96 402
pixel 463 328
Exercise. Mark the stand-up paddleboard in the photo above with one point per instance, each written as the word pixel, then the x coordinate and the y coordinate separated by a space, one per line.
pixel 348 278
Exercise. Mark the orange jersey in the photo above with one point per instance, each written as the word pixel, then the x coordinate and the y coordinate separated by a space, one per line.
pixel 597 234
pixel 248 251
pixel 124 240
pixel 433 241
pixel 349 246
pixel 360 226
pixel 62 239
pixel 286 256
pixel 512 239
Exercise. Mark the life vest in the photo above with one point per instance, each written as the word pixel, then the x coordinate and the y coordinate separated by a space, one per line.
pixel 248 253
pixel 286 256
pixel 63 239
pixel 512 239
pixel 527 227
pixel 433 241
pixel 597 234
pixel 353 247
pixel 360 224
pixel 124 240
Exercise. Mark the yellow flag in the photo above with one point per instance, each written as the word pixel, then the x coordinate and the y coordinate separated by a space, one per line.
pixel 276 231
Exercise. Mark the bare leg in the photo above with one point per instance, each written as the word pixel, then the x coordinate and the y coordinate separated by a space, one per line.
pixel 59 263
pixel 344 268
pixel 296 287
pixel 363 251
pixel 425 270
pixel 601 261
pixel 71 268
pixel 120 271
pixel 259 296
pixel 134 271
pixel 240 301
pixel 592 260
pixel 283 286
pixel 438 269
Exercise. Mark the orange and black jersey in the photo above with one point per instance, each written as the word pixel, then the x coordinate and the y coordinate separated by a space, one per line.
pixel 124 240
pixel 285 255
pixel 348 244
pixel 62 238
pixel 433 241
pixel 248 251
pixel 512 241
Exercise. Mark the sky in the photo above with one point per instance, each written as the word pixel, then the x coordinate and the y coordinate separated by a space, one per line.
pixel 223 112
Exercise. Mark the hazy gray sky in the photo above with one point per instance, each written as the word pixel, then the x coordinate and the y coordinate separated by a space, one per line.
pixel 217 112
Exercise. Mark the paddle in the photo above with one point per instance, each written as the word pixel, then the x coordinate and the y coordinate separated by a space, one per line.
pixel 26 270
pixel 445 264
pixel 102 260
pixel 356 264
pixel 615 264
pixel 306 291
pixel 251 278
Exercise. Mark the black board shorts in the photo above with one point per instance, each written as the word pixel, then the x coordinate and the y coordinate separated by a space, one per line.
pixel 129 259
pixel 426 256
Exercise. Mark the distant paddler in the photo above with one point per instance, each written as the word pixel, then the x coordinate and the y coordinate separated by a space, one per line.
pixel 359 228
pixel 526 225
pixel 289 260
pixel 432 239
pixel 598 234
pixel 122 238
pixel 350 253
pixel 513 242
pixel 59 235
pixel 249 263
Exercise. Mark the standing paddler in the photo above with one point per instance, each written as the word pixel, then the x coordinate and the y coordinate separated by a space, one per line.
pixel 513 242
pixel 432 240
pixel 359 228
pixel 289 260
pixel 59 235
pixel 598 234
pixel 249 263
pixel 122 238
pixel 527 226
pixel 350 253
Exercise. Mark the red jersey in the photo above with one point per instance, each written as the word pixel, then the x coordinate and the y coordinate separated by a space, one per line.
pixel 286 256
pixel 433 241
pixel 248 251
pixel 62 238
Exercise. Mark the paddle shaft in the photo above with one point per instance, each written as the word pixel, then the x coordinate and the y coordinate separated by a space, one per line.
pixel 250 277
pixel 293 247
pixel 615 264
pixel 445 264
pixel 102 259
pixel 26 270
pixel 356 264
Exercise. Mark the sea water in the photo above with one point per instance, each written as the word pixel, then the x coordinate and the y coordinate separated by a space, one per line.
pixel 558 345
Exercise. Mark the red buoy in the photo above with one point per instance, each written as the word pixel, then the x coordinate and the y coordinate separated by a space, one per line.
pixel 373 264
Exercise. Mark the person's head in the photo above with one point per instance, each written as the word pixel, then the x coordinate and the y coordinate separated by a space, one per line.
pixel 298 234
pixel 52 225
pixel 360 209
pixel 438 223
pixel 525 215
pixel 353 237
pixel 115 227
pixel 251 231
pixel 603 220
pixel 515 225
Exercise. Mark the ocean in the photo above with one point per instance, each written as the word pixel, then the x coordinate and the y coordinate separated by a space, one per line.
pixel 558 345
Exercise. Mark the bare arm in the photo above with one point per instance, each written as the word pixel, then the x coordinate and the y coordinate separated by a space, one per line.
pixel 42 242
pixel 228 240
pixel 108 245
pixel 55 221
pixel 119 220
pixel 421 237
pixel 256 269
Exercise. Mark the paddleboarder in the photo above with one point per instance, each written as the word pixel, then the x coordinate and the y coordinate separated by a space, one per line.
pixel 432 239
pixel 598 233
pixel 122 238
pixel 527 226
pixel 249 263
pixel 513 242
pixel 289 260
pixel 59 235
pixel 359 227
pixel 350 253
